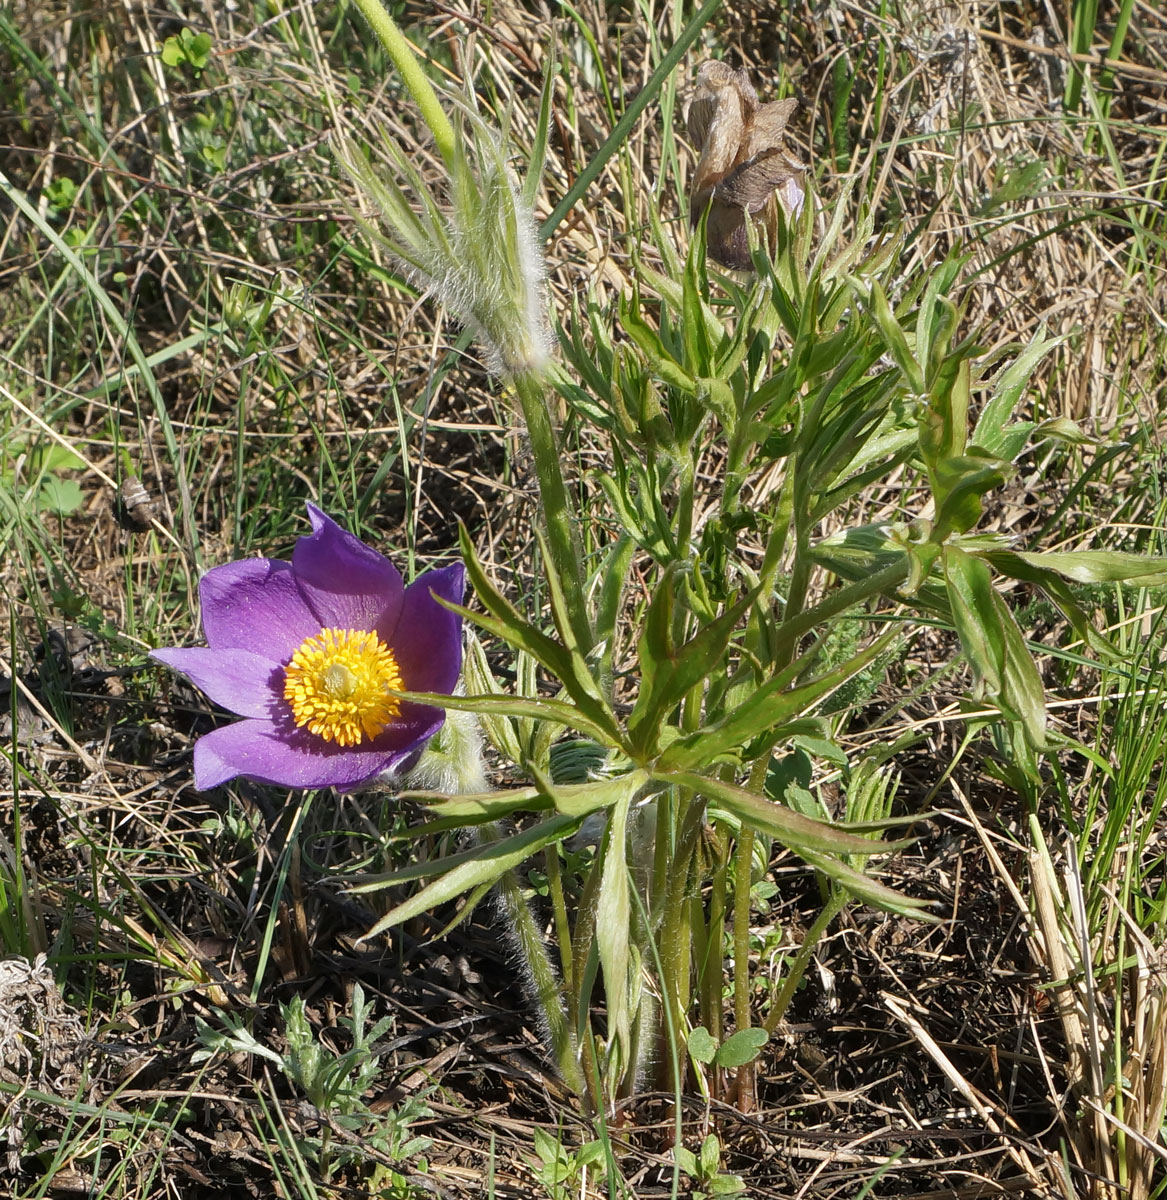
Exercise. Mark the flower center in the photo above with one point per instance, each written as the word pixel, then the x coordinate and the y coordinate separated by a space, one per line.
pixel 338 685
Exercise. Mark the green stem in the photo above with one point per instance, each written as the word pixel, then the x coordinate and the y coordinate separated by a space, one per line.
pixel 559 908
pixel 405 59
pixel 796 593
pixel 837 602
pixel 685 506
pixel 743 865
pixel 781 1002
pixel 662 850
pixel 675 940
pixel 744 851
pixel 779 531
pixel 712 970
pixel 742 879
pixel 583 939
pixel 562 933
pixel 562 536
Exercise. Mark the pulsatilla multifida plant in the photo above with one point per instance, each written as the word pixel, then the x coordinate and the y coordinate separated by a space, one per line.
pixel 708 631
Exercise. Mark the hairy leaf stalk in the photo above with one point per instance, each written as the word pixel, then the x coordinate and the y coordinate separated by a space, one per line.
pixel 562 533
pixel 404 57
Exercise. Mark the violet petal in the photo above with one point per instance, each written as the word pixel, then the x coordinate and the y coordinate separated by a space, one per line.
pixel 254 604
pixel 347 584
pixel 791 194
pixel 270 752
pixel 416 724
pixel 427 640
pixel 238 680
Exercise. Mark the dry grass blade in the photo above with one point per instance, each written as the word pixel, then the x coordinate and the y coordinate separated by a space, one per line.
pixel 992 1115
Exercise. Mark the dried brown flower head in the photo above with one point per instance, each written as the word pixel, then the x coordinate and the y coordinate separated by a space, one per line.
pixel 744 166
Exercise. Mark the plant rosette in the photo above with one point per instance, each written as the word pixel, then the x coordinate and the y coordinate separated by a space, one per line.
pixel 312 653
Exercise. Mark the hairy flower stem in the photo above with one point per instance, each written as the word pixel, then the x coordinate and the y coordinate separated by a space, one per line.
pixel 540 979
pixel 675 939
pixel 562 925
pixel 405 59
pixel 562 534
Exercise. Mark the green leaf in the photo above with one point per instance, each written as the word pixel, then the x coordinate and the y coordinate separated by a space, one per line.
pixel 613 920
pixel 580 799
pixel 686 1160
pixel 534 176
pixel 792 829
pixel 60 458
pixel 717 396
pixel 928 328
pixel 959 484
pixel 560 609
pixel 725 1185
pixel 662 363
pixel 484 865
pixel 671 291
pixel 612 578
pixel 556 711
pixel 816 841
pixel 710 1157
pixel 896 339
pixel 63 496
pixel 943 362
pixel 198 50
pixel 172 52
pixel 970 592
pixel 424 868
pixel 822 748
pixel 506 621
pixel 1014 565
pixel 944 423
pixel 668 674
pixel 548 1148
pixel 992 430
pixel 1013 441
pixel 766 709
pixel 501 731
pixel 741 1047
pixel 1022 694
pixel 475 807
pixel 654 647
pixel 465 910
pixel 702 1047
pixel 698 349
pixel 1102 566
pixel 1062 429
pixel 864 888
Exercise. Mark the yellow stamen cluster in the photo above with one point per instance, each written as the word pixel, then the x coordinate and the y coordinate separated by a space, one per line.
pixel 338 685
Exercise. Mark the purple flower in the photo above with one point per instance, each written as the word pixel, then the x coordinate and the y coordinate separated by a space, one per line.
pixel 308 651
